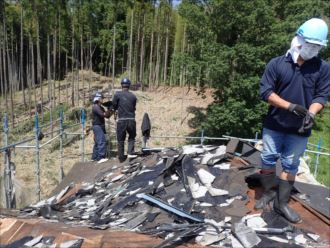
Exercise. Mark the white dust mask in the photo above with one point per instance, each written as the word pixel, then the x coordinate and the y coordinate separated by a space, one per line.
pixel 309 51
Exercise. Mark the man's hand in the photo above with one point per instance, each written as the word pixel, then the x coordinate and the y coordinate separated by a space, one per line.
pixel 297 110
pixel 308 123
pixel 108 113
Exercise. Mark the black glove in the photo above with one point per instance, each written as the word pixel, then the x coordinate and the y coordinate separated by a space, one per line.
pixel 308 123
pixel 298 110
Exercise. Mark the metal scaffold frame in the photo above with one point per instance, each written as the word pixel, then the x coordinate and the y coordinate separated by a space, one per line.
pixel 61 133
pixel 8 171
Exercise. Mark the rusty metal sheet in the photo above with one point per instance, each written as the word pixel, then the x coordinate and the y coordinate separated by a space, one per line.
pixel 10 234
pixel 18 228
pixel 311 222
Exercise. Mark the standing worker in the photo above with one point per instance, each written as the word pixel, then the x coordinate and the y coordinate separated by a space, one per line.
pixel 124 102
pixel 98 125
pixel 296 86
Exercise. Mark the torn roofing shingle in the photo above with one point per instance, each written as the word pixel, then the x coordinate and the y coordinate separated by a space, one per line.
pixel 171 178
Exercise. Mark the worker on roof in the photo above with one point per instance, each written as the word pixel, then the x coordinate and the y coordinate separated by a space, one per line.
pixel 296 86
pixel 124 102
pixel 98 125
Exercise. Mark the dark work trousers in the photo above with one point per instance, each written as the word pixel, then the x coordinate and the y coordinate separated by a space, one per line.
pixel 124 126
pixel 100 142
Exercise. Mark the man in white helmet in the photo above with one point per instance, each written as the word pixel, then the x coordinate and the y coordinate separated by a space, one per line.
pixel 296 86
pixel 98 125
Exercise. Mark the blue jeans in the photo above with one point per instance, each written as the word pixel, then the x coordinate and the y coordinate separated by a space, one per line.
pixel 288 147
pixel 100 143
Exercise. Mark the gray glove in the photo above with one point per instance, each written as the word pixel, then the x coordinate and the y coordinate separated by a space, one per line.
pixel 298 110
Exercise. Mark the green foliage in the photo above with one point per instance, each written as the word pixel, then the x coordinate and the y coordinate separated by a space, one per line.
pixel 213 43
pixel 321 134
pixel 229 51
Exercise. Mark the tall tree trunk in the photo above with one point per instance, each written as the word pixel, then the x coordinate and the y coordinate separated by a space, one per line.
pixel 136 49
pixel 21 59
pixel 5 75
pixel 59 58
pixel 66 77
pixel 166 50
pixel 29 80
pixel 54 64
pixel 72 69
pixel 82 64
pixel 113 55
pixel 39 68
pixel 130 52
pixel 156 75
pixel 90 65
pixel 142 52
pixel 33 71
pixel 50 94
pixel 151 57
pixel 2 86
pixel 10 77
pixel 50 85
pixel 183 51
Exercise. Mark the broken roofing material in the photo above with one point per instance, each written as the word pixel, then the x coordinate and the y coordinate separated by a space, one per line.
pixel 177 194
pixel 43 242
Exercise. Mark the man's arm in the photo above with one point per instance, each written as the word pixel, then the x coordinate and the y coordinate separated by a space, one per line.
pixel 115 102
pixel 315 108
pixel 278 102
pixel 97 110
pixel 322 90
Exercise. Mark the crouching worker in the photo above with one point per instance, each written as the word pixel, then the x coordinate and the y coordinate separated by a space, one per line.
pixel 124 102
pixel 98 124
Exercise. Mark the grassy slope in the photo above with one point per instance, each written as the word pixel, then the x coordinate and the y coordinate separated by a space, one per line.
pixel 322 132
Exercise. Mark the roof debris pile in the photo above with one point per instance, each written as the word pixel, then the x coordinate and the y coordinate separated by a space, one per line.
pixel 192 194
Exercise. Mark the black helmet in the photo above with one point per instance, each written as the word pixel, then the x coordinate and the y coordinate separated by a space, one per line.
pixel 125 82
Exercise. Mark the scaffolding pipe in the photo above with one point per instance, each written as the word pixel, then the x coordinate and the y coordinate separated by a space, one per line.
pixel 73 133
pixel 37 156
pixel 202 137
pixel 26 147
pixel 248 140
pixel 3 149
pixel 61 146
pixel 7 174
pixel 187 137
pixel 317 146
pixel 317 152
pixel 46 143
pixel 83 135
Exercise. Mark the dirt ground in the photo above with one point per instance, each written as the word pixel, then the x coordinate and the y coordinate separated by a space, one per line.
pixel 170 111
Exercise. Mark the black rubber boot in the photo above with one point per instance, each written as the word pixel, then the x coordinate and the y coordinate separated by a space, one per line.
pixel 282 200
pixel 269 182
pixel 130 148
pixel 121 149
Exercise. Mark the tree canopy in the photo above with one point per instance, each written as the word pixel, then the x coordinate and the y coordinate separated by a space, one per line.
pixel 223 44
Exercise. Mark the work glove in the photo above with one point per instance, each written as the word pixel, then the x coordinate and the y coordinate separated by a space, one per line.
pixel 298 110
pixel 308 123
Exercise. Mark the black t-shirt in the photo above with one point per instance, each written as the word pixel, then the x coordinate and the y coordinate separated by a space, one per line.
pixel 98 115
pixel 125 103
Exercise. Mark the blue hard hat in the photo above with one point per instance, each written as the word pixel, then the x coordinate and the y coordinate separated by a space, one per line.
pixel 314 31
pixel 125 82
